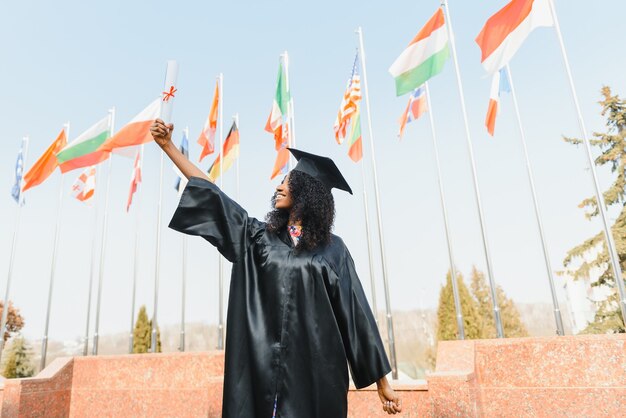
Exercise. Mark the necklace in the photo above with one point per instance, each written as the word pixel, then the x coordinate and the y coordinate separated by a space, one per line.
pixel 295 232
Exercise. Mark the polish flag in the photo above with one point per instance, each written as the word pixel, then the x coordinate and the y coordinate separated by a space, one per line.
pixel 505 32
pixel 137 131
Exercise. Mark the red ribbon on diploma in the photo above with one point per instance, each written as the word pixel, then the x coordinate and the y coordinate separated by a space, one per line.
pixel 168 94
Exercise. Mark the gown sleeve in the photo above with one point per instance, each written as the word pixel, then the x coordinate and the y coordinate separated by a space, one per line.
pixel 206 211
pixel 362 343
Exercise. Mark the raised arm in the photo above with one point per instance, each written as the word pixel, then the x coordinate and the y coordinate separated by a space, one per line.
pixel 162 135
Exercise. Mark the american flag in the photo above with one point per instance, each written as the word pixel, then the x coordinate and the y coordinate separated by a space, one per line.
pixel 349 103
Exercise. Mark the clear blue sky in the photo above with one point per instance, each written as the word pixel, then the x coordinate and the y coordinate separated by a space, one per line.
pixel 72 60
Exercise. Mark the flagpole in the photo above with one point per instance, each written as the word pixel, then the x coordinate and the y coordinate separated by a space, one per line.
pixel 157 272
pixel 184 282
pixel 91 271
pixel 601 204
pixel 220 325
pixel 94 349
pixel 555 301
pixel 369 245
pixel 131 337
pixel 390 333
pixel 483 228
pixel 453 274
pixel 291 131
pixel 5 310
pixel 44 341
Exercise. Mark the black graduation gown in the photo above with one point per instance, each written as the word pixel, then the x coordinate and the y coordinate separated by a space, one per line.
pixel 296 321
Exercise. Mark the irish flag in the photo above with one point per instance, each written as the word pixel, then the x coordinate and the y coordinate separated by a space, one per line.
pixel 83 151
pixel 85 185
pixel 279 109
pixel 229 154
pixel 137 131
pixel 505 32
pixel 424 57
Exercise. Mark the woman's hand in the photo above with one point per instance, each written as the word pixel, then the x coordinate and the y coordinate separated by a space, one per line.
pixel 391 402
pixel 161 132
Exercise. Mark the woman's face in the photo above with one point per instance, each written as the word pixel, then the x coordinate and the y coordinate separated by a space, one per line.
pixel 283 197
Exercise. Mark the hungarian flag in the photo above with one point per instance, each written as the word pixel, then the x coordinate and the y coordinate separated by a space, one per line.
pixel 349 103
pixel 499 84
pixel 230 152
pixel 274 123
pixel 424 57
pixel 135 179
pixel 207 136
pixel 355 143
pixel 505 32
pixel 46 164
pixel 414 109
pixel 84 187
pixel 83 151
pixel 137 131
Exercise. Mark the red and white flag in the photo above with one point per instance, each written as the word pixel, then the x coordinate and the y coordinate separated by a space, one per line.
pixel 84 187
pixel 137 131
pixel 207 136
pixel 135 179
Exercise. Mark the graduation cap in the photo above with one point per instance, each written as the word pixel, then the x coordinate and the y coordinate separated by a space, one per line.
pixel 320 168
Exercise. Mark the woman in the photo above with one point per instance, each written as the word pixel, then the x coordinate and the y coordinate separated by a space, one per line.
pixel 297 314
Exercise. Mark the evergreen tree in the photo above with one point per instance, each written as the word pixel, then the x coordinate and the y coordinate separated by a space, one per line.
pixel 511 321
pixel 593 253
pixel 18 360
pixel 446 314
pixel 15 321
pixel 142 334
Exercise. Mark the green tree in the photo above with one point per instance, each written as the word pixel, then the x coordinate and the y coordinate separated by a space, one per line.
pixel 15 321
pixel 446 314
pixel 18 360
pixel 142 334
pixel 593 254
pixel 511 321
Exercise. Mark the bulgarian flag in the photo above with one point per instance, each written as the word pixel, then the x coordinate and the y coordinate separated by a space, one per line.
pixel 84 187
pixel 83 151
pixel 229 154
pixel 137 131
pixel 279 109
pixel 355 143
pixel 46 164
pixel 207 136
pixel 505 32
pixel 424 57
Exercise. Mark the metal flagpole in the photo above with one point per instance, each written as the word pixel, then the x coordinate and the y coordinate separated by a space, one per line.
pixel 220 325
pixel 181 345
pixel 369 245
pixel 390 333
pixel 91 271
pixel 617 270
pixel 157 272
pixel 453 276
pixel 94 348
pixel 483 228
pixel 131 336
pixel 291 131
pixel 44 341
pixel 20 203
pixel 555 301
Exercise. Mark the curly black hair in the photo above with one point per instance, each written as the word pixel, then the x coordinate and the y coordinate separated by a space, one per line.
pixel 313 205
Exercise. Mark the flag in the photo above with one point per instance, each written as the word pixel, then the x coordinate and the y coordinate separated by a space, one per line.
pixel 137 131
pixel 46 164
pixel 279 109
pixel 19 171
pixel 414 109
pixel 230 152
pixel 207 136
pixel 424 57
pixel 85 185
pixel 135 179
pixel 505 31
pixel 499 84
pixel 83 151
pixel 282 159
pixel 349 103
pixel 355 143
pixel 181 181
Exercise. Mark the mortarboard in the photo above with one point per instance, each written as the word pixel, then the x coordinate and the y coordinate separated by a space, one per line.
pixel 320 168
